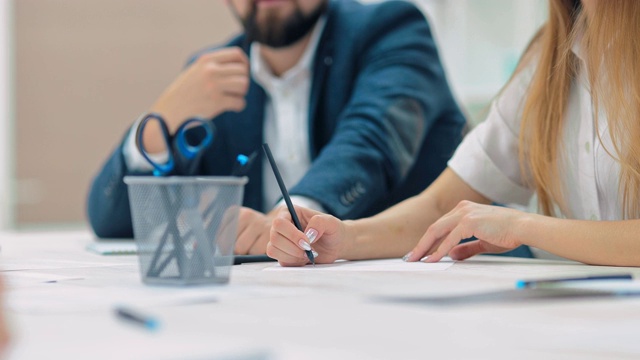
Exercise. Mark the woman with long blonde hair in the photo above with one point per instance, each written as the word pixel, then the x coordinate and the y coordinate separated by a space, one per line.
pixel 566 128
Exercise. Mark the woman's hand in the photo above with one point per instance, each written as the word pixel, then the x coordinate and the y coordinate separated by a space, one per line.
pixel 324 234
pixel 493 226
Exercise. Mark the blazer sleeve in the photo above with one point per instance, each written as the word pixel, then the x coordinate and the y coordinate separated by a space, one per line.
pixel 400 91
pixel 108 206
pixel 108 201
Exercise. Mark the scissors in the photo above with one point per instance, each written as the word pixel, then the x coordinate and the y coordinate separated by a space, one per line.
pixel 182 144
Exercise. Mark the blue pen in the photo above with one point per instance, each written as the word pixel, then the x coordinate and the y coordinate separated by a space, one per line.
pixel 523 284
pixel 146 321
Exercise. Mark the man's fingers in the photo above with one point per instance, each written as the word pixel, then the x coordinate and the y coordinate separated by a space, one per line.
pixel 221 71
pixel 235 85
pixel 244 240
pixel 243 244
pixel 226 55
pixel 257 229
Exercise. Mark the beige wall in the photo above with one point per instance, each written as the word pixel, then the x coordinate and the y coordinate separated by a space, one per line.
pixel 85 69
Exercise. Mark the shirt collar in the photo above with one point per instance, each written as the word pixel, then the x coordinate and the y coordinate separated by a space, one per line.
pixel 263 74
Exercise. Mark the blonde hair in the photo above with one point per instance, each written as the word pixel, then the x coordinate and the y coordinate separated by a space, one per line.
pixel 611 47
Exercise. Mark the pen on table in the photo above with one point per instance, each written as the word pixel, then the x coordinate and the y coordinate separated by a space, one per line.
pixel 522 284
pixel 132 316
pixel 285 196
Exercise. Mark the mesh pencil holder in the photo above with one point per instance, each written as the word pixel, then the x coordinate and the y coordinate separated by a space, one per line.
pixel 185 228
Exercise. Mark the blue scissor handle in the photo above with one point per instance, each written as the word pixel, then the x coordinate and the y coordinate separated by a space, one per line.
pixel 158 169
pixel 188 150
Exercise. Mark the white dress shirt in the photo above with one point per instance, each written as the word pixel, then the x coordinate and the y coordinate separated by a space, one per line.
pixel 487 160
pixel 286 120
pixel 286 123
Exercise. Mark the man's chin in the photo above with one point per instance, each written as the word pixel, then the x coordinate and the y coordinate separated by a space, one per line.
pixel 282 26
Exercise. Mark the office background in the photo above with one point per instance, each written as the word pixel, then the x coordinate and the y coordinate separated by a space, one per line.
pixel 74 74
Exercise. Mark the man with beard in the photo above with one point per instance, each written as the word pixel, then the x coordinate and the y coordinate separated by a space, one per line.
pixel 352 99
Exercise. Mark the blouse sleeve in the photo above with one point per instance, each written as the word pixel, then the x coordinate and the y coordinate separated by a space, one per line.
pixel 487 159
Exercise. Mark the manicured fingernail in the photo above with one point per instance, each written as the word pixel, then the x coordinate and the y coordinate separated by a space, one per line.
pixel 304 245
pixel 424 258
pixel 311 234
pixel 315 254
pixel 406 257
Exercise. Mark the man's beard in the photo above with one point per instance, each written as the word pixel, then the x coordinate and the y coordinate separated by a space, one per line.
pixel 276 34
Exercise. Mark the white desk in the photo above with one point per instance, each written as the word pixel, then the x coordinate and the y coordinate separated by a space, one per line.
pixel 299 315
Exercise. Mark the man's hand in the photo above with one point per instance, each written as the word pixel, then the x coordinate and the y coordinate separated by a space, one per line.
pixel 216 82
pixel 253 231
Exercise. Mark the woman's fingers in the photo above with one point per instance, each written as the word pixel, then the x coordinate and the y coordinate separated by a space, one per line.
pixel 445 233
pixel 472 248
pixel 322 233
pixel 284 242
pixel 453 239
pixel 285 258
pixel 434 236
pixel 321 225
pixel 283 231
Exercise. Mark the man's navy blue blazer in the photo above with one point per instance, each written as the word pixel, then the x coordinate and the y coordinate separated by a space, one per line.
pixel 382 121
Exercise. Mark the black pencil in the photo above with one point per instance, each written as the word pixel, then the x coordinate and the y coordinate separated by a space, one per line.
pixel 285 196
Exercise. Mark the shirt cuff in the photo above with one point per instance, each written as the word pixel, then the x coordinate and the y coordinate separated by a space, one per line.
pixel 302 202
pixel 133 157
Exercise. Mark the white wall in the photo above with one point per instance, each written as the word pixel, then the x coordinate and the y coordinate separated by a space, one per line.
pixel 6 116
pixel 480 42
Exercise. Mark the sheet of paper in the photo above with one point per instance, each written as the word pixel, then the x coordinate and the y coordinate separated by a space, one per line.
pixel 127 247
pixel 69 296
pixel 15 264
pixel 27 278
pixel 371 265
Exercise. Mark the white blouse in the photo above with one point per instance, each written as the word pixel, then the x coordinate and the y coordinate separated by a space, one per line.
pixel 487 160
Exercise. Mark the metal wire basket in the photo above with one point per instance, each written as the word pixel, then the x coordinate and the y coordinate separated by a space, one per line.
pixel 185 228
